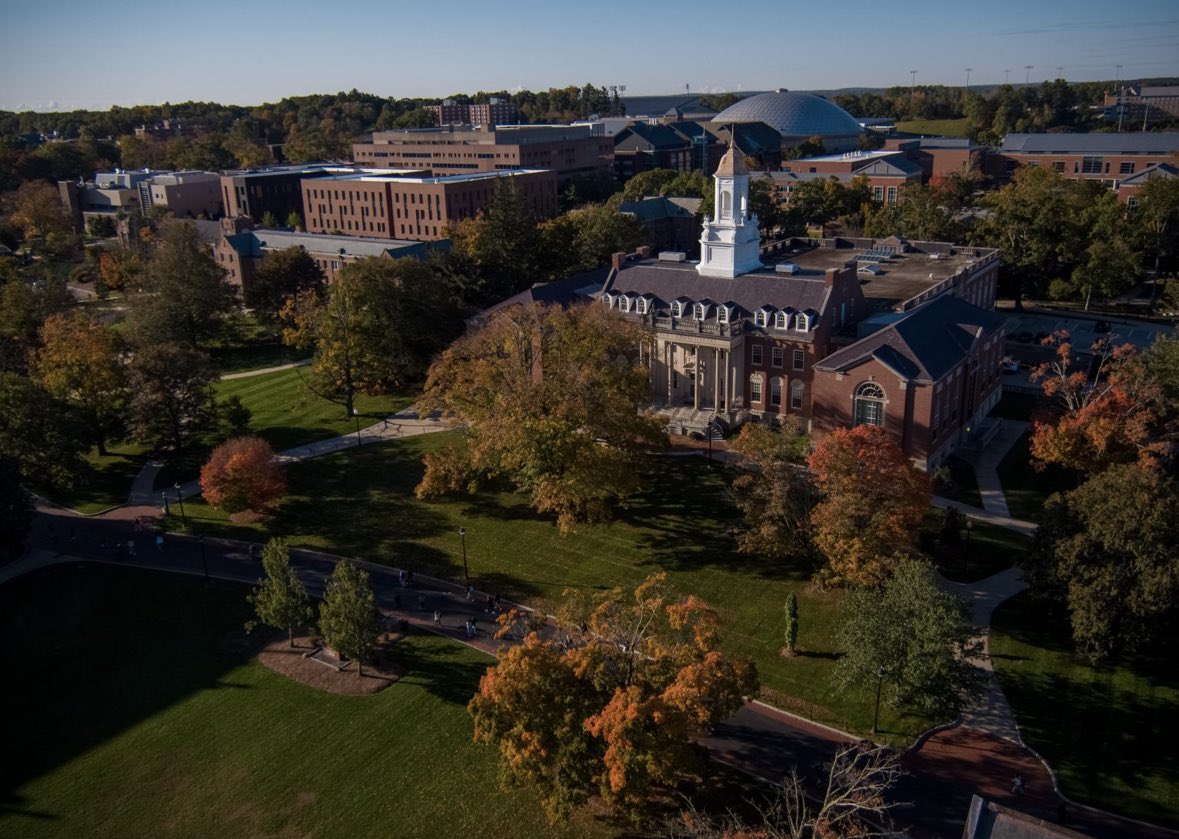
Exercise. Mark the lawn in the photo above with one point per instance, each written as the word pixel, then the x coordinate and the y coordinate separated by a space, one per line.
pixel 127 715
pixel 360 503
pixel 965 482
pixel 247 344
pixel 1108 731
pixel 940 127
pixel 986 549
pixel 1025 488
pixel 284 412
pixel 104 482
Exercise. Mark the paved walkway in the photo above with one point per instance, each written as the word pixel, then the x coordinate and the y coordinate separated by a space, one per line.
pixel 986 465
pixel 262 371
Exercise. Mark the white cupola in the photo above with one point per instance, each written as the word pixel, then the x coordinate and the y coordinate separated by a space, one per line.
pixel 730 243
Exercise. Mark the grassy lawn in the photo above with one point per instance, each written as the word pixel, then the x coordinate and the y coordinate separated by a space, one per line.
pixel 127 715
pixel 1109 730
pixel 941 127
pixel 986 549
pixel 360 503
pixel 965 482
pixel 1025 488
pixel 249 345
pixel 106 480
pixel 285 413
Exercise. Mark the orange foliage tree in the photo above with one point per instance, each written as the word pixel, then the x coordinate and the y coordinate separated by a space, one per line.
pixel 242 476
pixel 1110 417
pixel 612 699
pixel 873 503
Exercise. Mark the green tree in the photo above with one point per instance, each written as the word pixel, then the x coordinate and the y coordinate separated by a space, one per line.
pixel 376 330
pixel 236 415
pixel 172 396
pixel 280 600
pixel 282 274
pixel 773 492
pixel 294 220
pixel 551 399
pixel 914 638
pixel 186 290
pixel 348 614
pixel 503 243
pixel 1107 551
pixel 16 511
pixel 1155 220
pixel 791 616
pixel 583 239
pixel 38 433
pixel 269 219
pixel 80 362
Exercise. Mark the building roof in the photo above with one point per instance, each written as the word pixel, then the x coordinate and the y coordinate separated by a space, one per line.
pixel 654 106
pixel 1167 90
pixel 256 242
pixel 1138 142
pixel 1155 170
pixel 923 345
pixel 644 136
pixel 988 820
pixel 379 175
pixel 792 114
pixel 559 292
pixel 658 208
pixel 733 163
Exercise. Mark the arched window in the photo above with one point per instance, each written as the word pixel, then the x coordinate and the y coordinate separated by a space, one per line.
pixel 726 207
pixel 759 317
pixel 869 404
pixel 624 303
pixel 781 320
pixel 755 388
pixel 699 311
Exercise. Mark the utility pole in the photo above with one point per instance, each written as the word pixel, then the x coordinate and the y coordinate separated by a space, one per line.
pixel 968 69
pixel 1027 74
pixel 1006 74
pixel 912 89
pixel 1059 71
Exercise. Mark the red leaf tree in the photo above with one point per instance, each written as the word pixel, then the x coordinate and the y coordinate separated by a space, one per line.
pixel 242 476
pixel 873 503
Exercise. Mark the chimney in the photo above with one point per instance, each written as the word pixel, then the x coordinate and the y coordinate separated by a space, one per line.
pixel 644 251
pixel 832 274
pixel 617 260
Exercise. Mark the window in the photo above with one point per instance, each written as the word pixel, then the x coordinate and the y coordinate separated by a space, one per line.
pixel 757 356
pixel 892 195
pixel 677 308
pixel 722 314
pixel 878 193
pixel 776 392
pixel 869 404
pixel 1131 203
pixel 796 395
pixel 608 299
pixel 643 305
pixel 759 317
pixel 802 322
pixel 699 311
pixel 1091 165
pixel 777 356
pixel 755 388
pixel 781 320
pixel 1126 169
pixel 799 359
pixel 624 303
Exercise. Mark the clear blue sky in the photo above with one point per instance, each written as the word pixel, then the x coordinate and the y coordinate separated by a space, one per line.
pixel 68 53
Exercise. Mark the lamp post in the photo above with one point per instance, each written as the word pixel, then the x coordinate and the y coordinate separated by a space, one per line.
pixel 180 498
pixel 876 715
pixel 966 552
pixel 1027 76
pixel 204 559
pixel 164 497
pixel 463 537
pixel 708 433
pixel 968 72
pixel 356 416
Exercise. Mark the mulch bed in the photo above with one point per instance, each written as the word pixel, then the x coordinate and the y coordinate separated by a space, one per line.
pixel 271 649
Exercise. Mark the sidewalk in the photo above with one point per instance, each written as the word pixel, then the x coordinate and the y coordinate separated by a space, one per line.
pixel 262 371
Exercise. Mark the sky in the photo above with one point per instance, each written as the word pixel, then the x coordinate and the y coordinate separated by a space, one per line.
pixel 66 54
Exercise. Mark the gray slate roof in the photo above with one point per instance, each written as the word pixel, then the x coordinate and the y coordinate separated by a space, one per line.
pixel 657 208
pixel 643 136
pixel 926 343
pixel 1138 142
pixel 1156 170
pixel 254 242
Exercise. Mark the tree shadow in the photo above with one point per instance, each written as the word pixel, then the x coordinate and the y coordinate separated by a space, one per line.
pixel 438 667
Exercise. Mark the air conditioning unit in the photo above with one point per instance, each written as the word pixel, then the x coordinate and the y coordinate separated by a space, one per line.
pixel 786 268
pixel 672 256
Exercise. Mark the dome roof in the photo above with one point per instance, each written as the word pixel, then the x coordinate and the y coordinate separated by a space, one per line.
pixel 792 114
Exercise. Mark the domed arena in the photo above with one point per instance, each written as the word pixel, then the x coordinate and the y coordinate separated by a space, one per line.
pixel 797 117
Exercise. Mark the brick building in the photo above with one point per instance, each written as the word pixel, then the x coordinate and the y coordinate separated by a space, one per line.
pixel 886 173
pixel 415 208
pixel 495 111
pixel 570 151
pixel 818 336
pixel 939 157
pixel 275 189
pixel 1108 158
pixel 1134 106
pixel 1128 187
pixel 669 223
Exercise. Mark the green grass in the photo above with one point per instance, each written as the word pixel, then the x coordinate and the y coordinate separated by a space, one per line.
pixel 361 503
pixel 125 713
pixel 1109 730
pixel 247 344
pixel 965 482
pixel 941 127
pixel 105 482
pixel 285 413
pixel 1025 488
pixel 986 549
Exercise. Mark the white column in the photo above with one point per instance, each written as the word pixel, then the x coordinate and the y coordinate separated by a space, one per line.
pixel 716 374
pixel 669 354
pixel 726 375
pixel 695 378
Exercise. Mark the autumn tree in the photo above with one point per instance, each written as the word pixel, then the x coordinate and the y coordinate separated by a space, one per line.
pixel 873 503
pixel 282 274
pixel 348 614
pixel 773 491
pixel 502 243
pixel 38 433
pixel 1114 412
pixel 24 306
pixel 186 290
pixel 376 330
pixel 582 239
pixel 851 804
pixel 119 270
pixel 80 362
pixel 912 638
pixel 551 399
pixel 1107 550
pixel 613 701
pixel 280 599
pixel 37 210
pixel 172 396
pixel 243 476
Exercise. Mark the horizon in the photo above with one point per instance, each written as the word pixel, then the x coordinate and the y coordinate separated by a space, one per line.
pixel 263 53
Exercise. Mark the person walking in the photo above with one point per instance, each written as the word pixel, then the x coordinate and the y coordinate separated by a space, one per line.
pixel 470 591
pixel 437 618
pixel 1017 784
pixel 490 601
pixel 401 577
pixel 131 548
pixel 411 576
pixel 159 543
pixel 397 601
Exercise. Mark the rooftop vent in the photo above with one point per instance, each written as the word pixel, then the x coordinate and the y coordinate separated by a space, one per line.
pixel 672 256
pixel 786 268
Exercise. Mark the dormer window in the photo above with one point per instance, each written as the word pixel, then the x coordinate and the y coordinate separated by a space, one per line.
pixel 608 299
pixel 624 303
pixel 760 318
pixel 699 311
pixel 723 313
pixel 802 322
pixel 781 320
pixel 643 305
pixel 677 308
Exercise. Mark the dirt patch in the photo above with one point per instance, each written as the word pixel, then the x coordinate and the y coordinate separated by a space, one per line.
pixel 272 650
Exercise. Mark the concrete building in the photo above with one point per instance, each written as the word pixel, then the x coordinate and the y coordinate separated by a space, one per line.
pixel 567 150
pixel 186 194
pixel 1108 158
pixel 241 249
pixel 416 208
pixel 796 117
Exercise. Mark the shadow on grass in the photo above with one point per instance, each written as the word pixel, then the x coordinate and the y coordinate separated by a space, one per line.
pixel 439 668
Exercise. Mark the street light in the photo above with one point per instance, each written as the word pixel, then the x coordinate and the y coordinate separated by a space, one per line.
pixel 708 432
pixel 204 559
pixel 879 683
pixel 463 537
pixel 966 552
pixel 1027 76
pixel 164 498
pixel 968 71
pixel 356 416
pixel 180 498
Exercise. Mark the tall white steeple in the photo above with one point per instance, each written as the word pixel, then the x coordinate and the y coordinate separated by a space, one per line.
pixel 730 243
